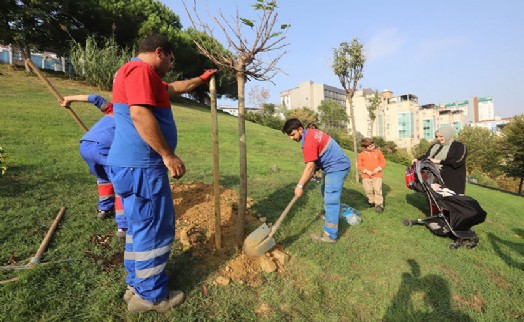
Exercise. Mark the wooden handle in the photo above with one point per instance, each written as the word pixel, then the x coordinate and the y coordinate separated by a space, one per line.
pixel 53 90
pixel 284 214
pixel 47 238
pixel 216 172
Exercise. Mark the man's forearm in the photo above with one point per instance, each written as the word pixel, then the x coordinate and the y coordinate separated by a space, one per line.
pixel 307 174
pixel 148 128
pixel 180 87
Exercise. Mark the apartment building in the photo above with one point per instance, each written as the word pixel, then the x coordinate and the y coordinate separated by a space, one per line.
pixel 310 95
pixel 401 118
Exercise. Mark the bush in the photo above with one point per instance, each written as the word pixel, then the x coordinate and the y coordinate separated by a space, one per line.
pixel 484 179
pixel 3 161
pixel 401 156
pixel 98 65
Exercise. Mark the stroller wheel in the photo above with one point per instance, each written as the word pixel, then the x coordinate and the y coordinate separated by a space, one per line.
pixel 453 245
pixel 471 245
pixel 407 222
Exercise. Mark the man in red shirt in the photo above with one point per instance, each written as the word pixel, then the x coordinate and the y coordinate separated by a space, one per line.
pixel 323 152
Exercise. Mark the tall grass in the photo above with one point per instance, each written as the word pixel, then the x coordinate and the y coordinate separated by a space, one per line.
pixel 97 64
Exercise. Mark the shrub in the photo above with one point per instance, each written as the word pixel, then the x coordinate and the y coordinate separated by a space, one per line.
pixel 484 179
pixel 98 64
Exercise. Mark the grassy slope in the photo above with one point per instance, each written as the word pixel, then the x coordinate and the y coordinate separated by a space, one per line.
pixel 379 270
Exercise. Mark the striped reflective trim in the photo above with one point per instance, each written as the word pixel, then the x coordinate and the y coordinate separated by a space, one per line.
pixel 148 272
pixel 326 147
pixel 106 197
pixel 329 225
pixel 119 212
pixel 147 255
pixel 129 239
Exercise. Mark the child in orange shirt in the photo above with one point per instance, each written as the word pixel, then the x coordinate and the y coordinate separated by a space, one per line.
pixel 370 163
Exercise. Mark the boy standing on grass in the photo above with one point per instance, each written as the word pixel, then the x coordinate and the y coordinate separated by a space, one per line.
pixel 321 151
pixel 94 146
pixel 370 163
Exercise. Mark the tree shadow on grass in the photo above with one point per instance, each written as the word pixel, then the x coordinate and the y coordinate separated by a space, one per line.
pixel 16 181
pixel 431 290
pixel 499 244
pixel 418 200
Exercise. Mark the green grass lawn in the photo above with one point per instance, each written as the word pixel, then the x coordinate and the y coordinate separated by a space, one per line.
pixel 377 271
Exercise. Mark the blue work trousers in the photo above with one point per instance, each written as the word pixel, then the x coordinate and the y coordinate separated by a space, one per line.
pixel 95 155
pixel 331 190
pixel 148 206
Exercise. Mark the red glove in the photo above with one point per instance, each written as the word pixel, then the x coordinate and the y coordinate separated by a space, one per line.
pixel 207 74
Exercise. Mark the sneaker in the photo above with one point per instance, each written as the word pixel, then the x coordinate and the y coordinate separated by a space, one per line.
pixel 130 291
pixel 121 234
pixel 379 209
pixel 322 238
pixel 321 215
pixel 103 214
pixel 139 305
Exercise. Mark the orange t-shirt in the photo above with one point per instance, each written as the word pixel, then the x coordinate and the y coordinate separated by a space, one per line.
pixel 370 161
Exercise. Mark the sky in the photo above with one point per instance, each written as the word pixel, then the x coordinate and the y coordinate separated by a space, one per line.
pixel 441 51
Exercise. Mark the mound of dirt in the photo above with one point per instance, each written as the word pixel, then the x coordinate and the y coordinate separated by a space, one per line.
pixel 195 230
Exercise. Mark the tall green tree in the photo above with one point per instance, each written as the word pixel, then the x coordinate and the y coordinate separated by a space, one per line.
pixel 248 59
pixel 513 149
pixel 373 103
pixel 41 24
pixel 332 116
pixel 305 115
pixel 348 65
pixel 483 150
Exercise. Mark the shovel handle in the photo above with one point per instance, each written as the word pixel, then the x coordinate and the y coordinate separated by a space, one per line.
pixel 53 90
pixel 282 216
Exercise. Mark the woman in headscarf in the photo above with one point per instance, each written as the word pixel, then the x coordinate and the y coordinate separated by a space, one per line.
pixel 450 157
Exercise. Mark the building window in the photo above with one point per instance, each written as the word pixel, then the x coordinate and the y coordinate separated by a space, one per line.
pixel 428 128
pixel 405 125
pixel 457 126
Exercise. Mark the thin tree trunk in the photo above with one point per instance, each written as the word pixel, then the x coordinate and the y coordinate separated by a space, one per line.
pixel 349 101
pixel 242 195
pixel 520 186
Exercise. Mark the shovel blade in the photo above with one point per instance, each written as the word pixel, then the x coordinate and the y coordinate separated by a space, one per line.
pixel 257 243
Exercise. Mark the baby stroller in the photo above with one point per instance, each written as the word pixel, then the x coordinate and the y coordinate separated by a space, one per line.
pixel 450 215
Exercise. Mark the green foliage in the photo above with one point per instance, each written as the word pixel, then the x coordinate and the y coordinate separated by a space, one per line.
pixel 379 142
pixel 513 147
pixel 483 179
pixel 265 119
pixel 305 115
pixel 4 159
pixel 421 148
pixel 391 147
pixel 373 103
pixel 348 64
pixel 483 150
pixel 332 115
pixel 97 64
pixel 44 24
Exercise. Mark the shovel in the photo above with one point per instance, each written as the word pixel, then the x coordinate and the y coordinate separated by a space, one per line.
pixel 261 240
